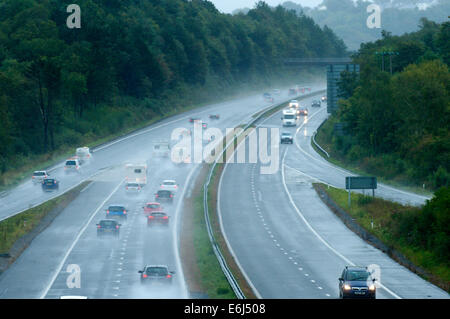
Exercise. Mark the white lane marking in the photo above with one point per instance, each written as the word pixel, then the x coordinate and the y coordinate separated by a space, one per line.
pixel 61 264
pixel 175 232
pixel 348 261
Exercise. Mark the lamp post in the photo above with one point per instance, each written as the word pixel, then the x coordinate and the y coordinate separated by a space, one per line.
pixel 390 54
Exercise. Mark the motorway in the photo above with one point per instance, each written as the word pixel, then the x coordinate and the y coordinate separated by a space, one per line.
pixel 109 267
pixel 286 241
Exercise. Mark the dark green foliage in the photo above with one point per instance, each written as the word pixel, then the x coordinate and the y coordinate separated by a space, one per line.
pixel 398 125
pixel 60 86
pixel 428 228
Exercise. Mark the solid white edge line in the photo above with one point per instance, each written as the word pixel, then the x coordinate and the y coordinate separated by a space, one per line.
pixel 309 225
pixel 175 233
pixel 80 233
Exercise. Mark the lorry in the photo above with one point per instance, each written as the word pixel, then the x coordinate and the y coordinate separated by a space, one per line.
pixel 290 117
pixel 136 173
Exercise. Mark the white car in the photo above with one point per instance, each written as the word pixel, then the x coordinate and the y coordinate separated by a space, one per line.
pixel 72 165
pixel 169 185
pixel 39 176
pixel 294 103
pixel 132 187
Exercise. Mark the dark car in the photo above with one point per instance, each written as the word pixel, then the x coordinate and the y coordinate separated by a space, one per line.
pixel 286 138
pixel 292 91
pixel 156 274
pixel 193 119
pixel 116 211
pixel 268 97
pixel 164 196
pixel 356 282
pixel 108 227
pixel 214 116
pixel 50 184
pixel 158 218
pixel 315 103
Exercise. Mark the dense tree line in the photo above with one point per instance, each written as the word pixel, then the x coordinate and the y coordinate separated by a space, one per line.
pixel 61 86
pixel 398 125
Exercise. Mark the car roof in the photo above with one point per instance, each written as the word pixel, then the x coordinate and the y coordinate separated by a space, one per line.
pixel 152 203
pixel 39 172
pixel 160 266
pixel 356 268
pixel 120 205
pixel 108 220
pixel 286 133
pixel 169 180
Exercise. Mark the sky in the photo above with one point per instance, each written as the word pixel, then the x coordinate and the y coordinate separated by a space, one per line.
pixel 227 6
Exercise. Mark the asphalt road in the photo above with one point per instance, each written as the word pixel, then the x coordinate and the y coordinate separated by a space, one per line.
pixel 287 242
pixel 109 266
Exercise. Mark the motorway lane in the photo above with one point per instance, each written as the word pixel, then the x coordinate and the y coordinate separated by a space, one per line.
pixel 101 262
pixel 135 146
pixel 285 256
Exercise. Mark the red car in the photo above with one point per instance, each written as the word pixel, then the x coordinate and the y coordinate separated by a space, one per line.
pixel 152 207
pixel 158 218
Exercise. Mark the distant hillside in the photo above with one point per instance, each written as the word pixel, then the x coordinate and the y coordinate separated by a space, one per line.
pixel 348 20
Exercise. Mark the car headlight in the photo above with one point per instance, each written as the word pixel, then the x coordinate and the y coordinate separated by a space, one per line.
pixel 372 287
pixel 347 287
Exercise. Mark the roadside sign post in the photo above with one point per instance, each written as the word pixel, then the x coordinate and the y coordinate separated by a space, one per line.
pixel 360 182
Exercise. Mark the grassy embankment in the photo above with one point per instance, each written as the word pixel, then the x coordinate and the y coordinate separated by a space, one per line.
pixel 391 231
pixel 15 227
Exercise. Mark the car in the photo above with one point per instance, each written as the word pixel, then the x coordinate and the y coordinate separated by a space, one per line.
pixel 72 165
pixel 152 207
pixel 193 119
pixel 159 218
pixel 108 227
pixel 292 91
pixel 323 98
pixel 39 176
pixel 83 154
pixel 286 138
pixel 156 274
pixel 268 97
pixel 294 103
pixel 50 184
pixel 132 188
pixel 170 185
pixel 164 196
pixel 161 147
pixel 356 282
pixel 116 211
pixel 214 116
pixel 303 111
pixel 315 103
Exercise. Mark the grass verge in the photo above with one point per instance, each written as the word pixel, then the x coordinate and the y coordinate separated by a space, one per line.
pixel 376 217
pixel 17 232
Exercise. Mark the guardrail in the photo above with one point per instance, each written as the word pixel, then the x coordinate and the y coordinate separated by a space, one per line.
pixel 227 272
pixel 318 146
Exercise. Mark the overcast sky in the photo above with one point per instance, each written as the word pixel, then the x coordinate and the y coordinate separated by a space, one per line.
pixel 228 6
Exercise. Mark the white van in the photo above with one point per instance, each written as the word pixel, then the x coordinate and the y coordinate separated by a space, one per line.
pixel 136 173
pixel 290 117
pixel 83 154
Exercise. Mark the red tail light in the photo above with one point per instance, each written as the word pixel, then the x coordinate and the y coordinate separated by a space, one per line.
pixel 156 195
pixel 98 226
pixel 169 276
pixel 165 217
pixel 32 177
pixel 107 211
pixel 144 275
pixel 151 217
pixel 126 187
pixel 117 226
pixel 125 212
